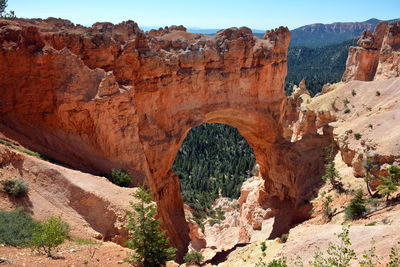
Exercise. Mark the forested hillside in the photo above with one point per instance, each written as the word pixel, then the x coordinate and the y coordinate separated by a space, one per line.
pixel 213 161
pixel 317 66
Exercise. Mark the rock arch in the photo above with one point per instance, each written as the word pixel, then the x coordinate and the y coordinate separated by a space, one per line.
pixel 112 96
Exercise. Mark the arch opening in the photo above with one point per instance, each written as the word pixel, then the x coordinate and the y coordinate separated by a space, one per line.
pixel 212 163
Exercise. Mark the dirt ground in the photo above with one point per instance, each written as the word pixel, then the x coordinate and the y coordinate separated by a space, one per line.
pixel 70 254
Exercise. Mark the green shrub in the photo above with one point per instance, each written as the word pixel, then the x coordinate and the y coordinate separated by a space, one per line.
pixel 281 262
pixel 16 228
pixel 284 238
pixel 15 187
pixel 193 257
pixel 353 92
pixel 120 178
pixel 357 136
pixel 369 258
pixel 394 173
pixel 214 222
pixel 49 235
pixel 377 93
pixel 327 211
pixel 346 111
pixel 356 208
pixel 394 257
pixel 263 248
pixel 338 255
pixel 331 174
pixel 387 187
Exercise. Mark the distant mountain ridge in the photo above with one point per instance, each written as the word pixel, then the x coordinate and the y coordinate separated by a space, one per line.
pixel 318 34
pixel 313 35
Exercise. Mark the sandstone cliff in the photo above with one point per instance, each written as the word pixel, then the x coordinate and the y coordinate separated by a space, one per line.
pixel 377 55
pixel 111 96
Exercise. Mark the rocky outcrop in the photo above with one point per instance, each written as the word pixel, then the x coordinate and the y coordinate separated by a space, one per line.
pixel 252 212
pixel 377 55
pixel 111 96
pixel 369 125
pixel 389 59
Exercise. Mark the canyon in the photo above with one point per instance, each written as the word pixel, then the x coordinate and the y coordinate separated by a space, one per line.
pixel 112 96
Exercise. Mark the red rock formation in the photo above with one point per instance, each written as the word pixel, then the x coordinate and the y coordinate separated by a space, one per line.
pixel 377 55
pixel 111 96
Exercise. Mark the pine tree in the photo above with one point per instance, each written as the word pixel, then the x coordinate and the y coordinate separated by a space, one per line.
pixel 3 5
pixel 356 208
pixel 387 188
pixel 390 183
pixel 150 244
pixel 368 167
pixel 331 173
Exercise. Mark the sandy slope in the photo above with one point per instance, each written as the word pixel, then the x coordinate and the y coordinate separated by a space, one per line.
pixel 93 206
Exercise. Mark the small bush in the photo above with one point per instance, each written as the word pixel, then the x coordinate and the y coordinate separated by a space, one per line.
pixel 356 207
pixel 357 136
pixel 327 211
pixel 193 257
pixel 346 101
pixel 214 221
pixel 394 257
pixel 49 235
pixel 15 187
pixel 281 262
pixel 284 238
pixel 353 92
pixel 120 178
pixel 333 104
pixel 346 111
pixel 338 255
pixel 377 93
pixel 16 228
pixel 263 248
pixel 331 173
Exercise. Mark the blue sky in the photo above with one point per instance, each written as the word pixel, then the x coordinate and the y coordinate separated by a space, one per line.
pixel 257 14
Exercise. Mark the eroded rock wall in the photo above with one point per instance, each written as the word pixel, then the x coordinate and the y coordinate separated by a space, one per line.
pixel 377 55
pixel 112 96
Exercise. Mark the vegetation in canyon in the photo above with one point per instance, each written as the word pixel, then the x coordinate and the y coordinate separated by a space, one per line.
pixel 48 235
pixel 317 66
pixel 149 243
pixel 17 187
pixel 212 162
pixel 339 254
pixel 18 229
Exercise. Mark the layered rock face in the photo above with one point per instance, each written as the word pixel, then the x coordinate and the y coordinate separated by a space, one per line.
pixel 112 96
pixel 377 55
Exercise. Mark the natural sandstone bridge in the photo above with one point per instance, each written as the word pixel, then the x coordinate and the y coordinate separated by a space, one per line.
pixel 111 96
